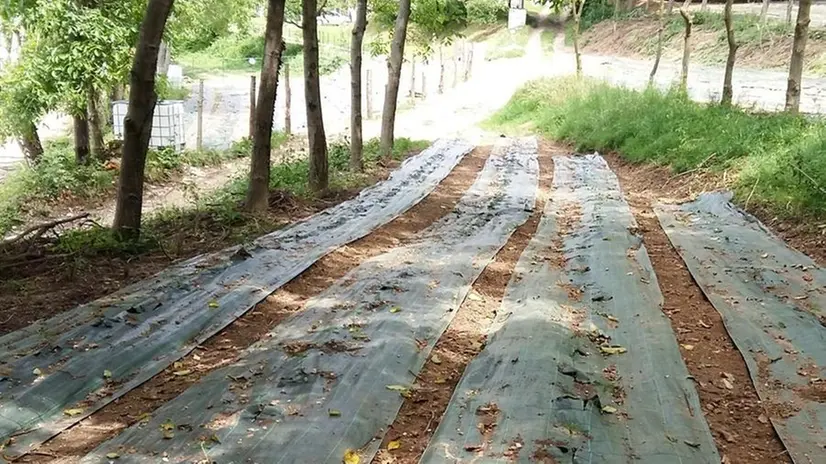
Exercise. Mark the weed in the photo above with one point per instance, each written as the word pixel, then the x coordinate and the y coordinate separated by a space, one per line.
pixel 508 44
pixel 779 155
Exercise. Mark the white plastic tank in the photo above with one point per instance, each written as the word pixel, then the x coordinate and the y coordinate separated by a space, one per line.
pixel 167 124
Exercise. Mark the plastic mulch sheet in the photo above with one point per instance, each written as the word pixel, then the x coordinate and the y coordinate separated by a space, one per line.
pixel 58 371
pixel 581 365
pixel 772 299
pixel 330 380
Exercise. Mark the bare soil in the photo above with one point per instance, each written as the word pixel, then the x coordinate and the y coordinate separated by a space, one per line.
pixel 463 340
pixel 225 347
pixel 730 403
pixel 636 38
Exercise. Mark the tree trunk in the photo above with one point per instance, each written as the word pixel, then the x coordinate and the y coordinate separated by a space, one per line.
pixel 789 6
pixel 704 5
pixel 764 11
pixel 258 193
pixel 95 125
pixel 728 92
pixel 138 121
pixel 658 55
pixel 81 126
pixel 318 176
pixel 801 33
pixel 164 59
pixel 356 142
pixel 394 68
pixel 686 49
pixel 578 6
pixel 30 144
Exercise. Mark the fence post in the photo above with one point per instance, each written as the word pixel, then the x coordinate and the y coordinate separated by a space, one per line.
pixel 469 63
pixel 455 65
pixel 199 143
pixel 441 70
pixel 424 84
pixel 252 106
pixel 412 93
pixel 287 100
pixel 369 94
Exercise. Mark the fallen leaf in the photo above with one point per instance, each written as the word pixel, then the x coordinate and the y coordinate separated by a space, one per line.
pixel 144 417
pixel 608 410
pixel 764 255
pixel 73 412
pixel 168 435
pixel 692 444
pixel 213 304
pixel 183 372
pixel 436 359
pixel 763 419
pixel 168 425
pixel 351 457
pixel 404 391
pixel 703 324
pixel 728 384
pixel 177 364
pixel 112 456
pixel 728 376
pixel 107 374
pixel 334 413
pixel 37 371
pixel 609 350
pixel 394 445
pixel 196 357
pixel 395 309
pixel 688 347
pixel 474 296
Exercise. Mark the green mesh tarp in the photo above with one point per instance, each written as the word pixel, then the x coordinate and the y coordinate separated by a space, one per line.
pixel 772 299
pixel 333 377
pixel 581 365
pixel 58 364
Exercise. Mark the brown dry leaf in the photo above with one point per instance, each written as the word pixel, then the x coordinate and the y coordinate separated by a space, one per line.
pixel 394 445
pixel 763 419
pixel 703 324
pixel 183 372
pixel 688 347
pixel 728 384
pixel 435 359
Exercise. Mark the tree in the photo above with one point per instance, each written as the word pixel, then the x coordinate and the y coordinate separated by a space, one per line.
pixel 81 129
pixel 96 144
pixel 356 46
pixel 659 53
pixel 801 33
pixel 578 5
pixel 789 6
pixel 686 49
pixel 138 121
pixel 728 92
pixel 258 192
pixel 394 73
pixel 318 175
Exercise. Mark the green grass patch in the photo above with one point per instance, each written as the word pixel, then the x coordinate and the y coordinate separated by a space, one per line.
pixel 508 44
pixel 547 37
pixel 780 156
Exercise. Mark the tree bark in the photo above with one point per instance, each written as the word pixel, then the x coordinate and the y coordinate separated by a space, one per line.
pixel 686 49
pixel 801 33
pixel 81 127
pixel 578 6
pixel 138 121
pixel 394 68
pixel 728 92
pixel 96 142
pixel 30 144
pixel 258 192
pixel 764 11
pixel 356 136
pixel 658 55
pixel 318 176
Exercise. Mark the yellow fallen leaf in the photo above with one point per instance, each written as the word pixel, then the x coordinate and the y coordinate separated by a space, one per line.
pixel 73 412
pixel 404 391
pixel 168 425
pixel 183 372
pixel 394 445
pixel 351 457
pixel 609 350
pixel 144 417
pixel 213 304
pixel 688 347
pixel 107 374
pixel 112 456
pixel 168 435
pixel 37 371
pixel 395 309
pixel 334 412
pixel 609 410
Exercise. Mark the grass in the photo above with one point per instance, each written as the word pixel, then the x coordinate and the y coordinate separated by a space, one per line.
pixel 508 44
pixel 779 156
pixel 58 177
pixel 220 210
pixel 232 54
pixel 547 38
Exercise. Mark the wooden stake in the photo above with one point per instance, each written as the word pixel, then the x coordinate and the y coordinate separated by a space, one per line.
pixel 199 143
pixel 252 106
pixel 424 85
pixel 287 100
pixel 369 94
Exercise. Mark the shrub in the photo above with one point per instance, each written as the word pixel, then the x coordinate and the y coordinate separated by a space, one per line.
pixel 486 11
